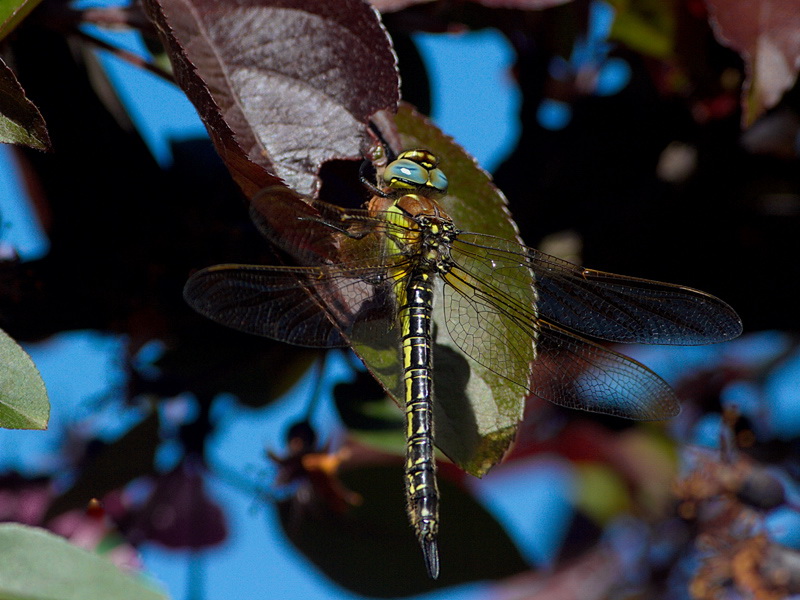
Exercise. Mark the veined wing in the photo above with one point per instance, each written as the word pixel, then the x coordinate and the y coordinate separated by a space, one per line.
pixel 305 306
pixel 498 331
pixel 603 305
pixel 577 373
pixel 342 294
pixel 315 232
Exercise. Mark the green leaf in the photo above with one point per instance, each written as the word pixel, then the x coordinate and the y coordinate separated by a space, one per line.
pixel 12 12
pixel 476 420
pixel 23 398
pixel 37 565
pixel 476 411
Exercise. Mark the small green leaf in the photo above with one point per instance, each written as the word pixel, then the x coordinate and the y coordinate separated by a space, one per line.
pixel 23 398
pixel 647 26
pixel 12 12
pixel 37 565
pixel 602 493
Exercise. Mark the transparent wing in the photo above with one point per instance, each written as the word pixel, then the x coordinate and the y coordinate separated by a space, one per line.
pixel 491 320
pixel 490 315
pixel 339 296
pixel 604 305
pixel 315 232
pixel 577 373
pixel 305 306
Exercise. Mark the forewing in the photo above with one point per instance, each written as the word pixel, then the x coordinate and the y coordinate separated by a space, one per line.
pixel 491 317
pixel 606 306
pixel 312 306
pixel 316 233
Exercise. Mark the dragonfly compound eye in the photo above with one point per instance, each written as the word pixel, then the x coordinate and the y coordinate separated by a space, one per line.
pixel 410 171
pixel 405 173
pixel 438 180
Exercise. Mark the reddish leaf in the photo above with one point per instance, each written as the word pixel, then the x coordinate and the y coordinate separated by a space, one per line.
pixel 91 528
pixel 282 85
pixel 20 120
pixel 765 34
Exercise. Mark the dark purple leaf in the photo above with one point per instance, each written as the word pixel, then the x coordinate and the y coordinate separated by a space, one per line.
pixel 20 120
pixel 180 513
pixel 371 550
pixel 282 85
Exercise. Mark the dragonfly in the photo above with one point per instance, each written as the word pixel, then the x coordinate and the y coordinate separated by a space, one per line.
pixel 369 278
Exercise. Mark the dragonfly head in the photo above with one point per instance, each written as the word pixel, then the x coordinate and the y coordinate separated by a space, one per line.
pixel 416 170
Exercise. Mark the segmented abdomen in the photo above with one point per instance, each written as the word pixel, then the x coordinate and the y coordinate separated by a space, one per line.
pixel 421 489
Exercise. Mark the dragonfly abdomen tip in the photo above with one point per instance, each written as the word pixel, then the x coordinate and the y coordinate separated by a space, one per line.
pixel 430 552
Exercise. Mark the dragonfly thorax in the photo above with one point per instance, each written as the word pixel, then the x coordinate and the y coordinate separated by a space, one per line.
pixel 436 235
